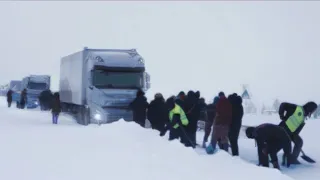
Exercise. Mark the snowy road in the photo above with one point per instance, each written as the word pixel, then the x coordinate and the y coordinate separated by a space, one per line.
pixel 34 149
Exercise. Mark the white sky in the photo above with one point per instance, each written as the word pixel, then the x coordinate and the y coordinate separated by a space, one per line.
pixel 207 46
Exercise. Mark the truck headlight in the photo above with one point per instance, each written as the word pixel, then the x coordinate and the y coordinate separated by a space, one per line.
pixel 97 116
pixel 36 103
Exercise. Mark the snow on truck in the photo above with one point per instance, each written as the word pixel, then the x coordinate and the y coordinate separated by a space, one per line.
pixel 97 85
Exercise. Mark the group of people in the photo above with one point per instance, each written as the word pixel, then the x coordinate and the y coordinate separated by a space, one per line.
pixel 47 101
pixel 180 115
pixel 271 138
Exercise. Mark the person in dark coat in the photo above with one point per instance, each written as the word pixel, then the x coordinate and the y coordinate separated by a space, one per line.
pixel 221 125
pixel 9 97
pixel 203 109
pixel 270 140
pixel 198 95
pixel 193 113
pixel 56 107
pixel 235 126
pixel 139 107
pixel 45 98
pixel 293 120
pixel 177 122
pixel 158 113
pixel 23 98
pixel 181 99
pixel 211 113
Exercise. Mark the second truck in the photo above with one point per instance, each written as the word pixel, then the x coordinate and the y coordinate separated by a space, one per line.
pixel 97 85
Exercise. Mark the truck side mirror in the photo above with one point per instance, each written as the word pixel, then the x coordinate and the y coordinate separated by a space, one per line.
pixel 147 81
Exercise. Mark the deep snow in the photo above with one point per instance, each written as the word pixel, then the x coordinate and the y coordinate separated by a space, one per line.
pixel 34 149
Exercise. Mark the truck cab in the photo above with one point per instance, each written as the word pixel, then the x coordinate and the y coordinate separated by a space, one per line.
pixel 35 84
pixel 99 84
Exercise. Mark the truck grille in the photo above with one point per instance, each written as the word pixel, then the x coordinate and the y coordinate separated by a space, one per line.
pixel 116 114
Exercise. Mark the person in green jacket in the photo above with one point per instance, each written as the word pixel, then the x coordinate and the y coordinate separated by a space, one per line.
pixel 177 122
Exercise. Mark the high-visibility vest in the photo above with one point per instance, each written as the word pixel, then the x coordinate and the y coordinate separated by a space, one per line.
pixel 296 119
pixel 178 110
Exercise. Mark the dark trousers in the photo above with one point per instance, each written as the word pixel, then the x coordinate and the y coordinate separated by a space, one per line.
pixel 272 151
pixel 22 105
pixel 233 138
pixel 55 117
pixel 9 103
pixel 207 130
pixel 179 133
pixel 141 122
pixel 298 143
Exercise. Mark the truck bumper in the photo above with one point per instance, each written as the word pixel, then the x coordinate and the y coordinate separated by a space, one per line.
pixel 32 104
pixel 109 115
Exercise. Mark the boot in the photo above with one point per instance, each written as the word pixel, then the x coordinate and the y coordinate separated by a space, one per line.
pixel 295 161
pixel 295 155
pixel 204 144
pixel 225 147
pixel 276 165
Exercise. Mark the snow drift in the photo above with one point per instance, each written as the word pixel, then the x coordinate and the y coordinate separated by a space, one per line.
pixel 34 149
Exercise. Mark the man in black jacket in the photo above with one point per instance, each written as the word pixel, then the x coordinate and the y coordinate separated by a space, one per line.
pixel 158 113
pixel 139 107
pixel 9 97
pixel 192 111
pixel 180 100
pixel 237 114
pixel 293 120
pixel 270 140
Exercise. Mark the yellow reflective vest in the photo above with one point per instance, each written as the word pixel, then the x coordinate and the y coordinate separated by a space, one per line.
pixel 296 119
pixel 178 110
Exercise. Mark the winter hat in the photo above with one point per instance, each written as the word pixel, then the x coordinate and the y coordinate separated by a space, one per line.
pixel 181 93
pixel 197 94
pixel 221 94
pixel 310 107
pixel 140 93
pixel 238 100
pixel 158 96
pixel 170 103
pixel 249 132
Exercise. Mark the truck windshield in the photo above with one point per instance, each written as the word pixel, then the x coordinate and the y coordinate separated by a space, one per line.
pixel 37 86
pixel 104 79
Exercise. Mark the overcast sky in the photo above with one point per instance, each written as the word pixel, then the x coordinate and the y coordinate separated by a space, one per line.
pixel 207 46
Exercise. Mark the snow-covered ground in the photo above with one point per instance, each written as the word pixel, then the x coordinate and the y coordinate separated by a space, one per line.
pixel 32 148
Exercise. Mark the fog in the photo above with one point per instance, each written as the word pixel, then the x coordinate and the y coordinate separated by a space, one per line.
pixel 206 46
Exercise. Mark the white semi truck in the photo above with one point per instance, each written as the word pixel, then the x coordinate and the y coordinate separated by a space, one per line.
pixel 97 85
pixel 35 84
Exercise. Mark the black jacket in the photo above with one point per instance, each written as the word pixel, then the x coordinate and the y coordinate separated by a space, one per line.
pixel 139 107
pixel 192 111
pixel 270 135
pixel 9 96
pixel 158 114
pixel 211 111
pixel 237 112
pixel 285 111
